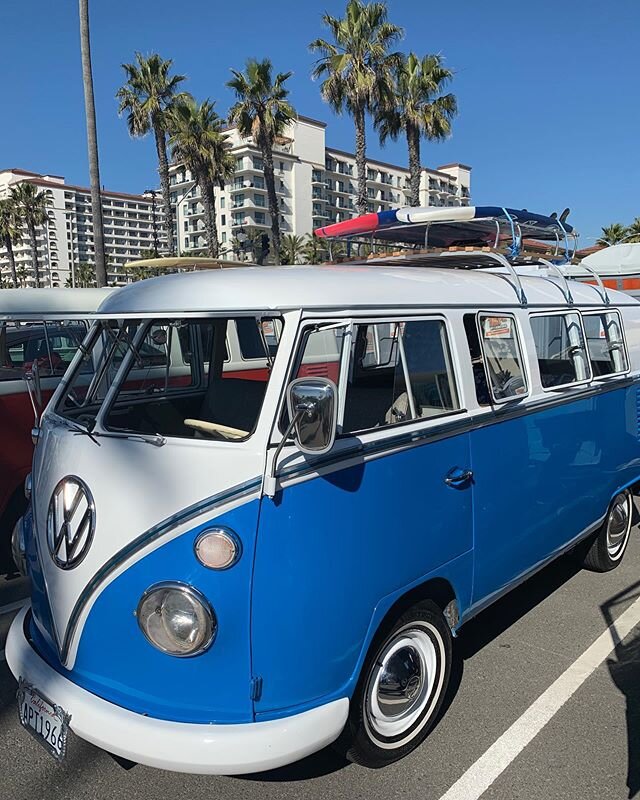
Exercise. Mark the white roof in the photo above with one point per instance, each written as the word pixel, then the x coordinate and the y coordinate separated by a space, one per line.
pixel 340 287
pixel 23 304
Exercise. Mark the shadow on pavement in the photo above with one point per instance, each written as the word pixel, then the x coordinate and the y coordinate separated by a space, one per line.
pixel 499 617
pixel 625 673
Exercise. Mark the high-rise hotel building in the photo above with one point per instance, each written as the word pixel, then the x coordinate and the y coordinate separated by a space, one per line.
pixel 315 184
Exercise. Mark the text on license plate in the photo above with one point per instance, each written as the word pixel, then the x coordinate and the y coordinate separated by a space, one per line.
pixel 44 720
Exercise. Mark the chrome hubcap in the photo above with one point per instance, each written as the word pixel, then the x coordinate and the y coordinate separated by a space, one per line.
pixel 618 525
pixel 401 683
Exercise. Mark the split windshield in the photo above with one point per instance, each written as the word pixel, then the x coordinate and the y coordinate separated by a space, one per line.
pixel 188 378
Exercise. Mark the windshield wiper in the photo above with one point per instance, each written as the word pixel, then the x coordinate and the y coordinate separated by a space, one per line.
pixel 156 439
pixel 80 429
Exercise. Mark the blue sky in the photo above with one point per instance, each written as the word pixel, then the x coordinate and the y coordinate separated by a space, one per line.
pixel 548 91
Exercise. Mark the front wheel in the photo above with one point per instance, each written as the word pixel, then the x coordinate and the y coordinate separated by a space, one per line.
pixel 609 546
pixel 403 683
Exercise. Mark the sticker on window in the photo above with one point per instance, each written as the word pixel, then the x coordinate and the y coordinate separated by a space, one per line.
pixel 496 327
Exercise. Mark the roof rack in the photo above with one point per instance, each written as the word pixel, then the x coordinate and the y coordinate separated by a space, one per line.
pixel 464 237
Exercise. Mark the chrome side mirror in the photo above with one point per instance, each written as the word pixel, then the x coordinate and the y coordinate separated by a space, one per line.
pixel 313 411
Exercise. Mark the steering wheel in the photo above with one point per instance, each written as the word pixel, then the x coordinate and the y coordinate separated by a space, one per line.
pixel 224 431
pixel 511 386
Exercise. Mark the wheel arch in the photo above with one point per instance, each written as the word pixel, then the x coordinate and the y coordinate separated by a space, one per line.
pixel 438 589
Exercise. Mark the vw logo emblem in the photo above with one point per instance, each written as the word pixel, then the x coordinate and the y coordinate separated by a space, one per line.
pixel 71 520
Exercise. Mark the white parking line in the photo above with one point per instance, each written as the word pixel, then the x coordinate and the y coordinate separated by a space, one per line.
pixel 13 606
pixel 479 777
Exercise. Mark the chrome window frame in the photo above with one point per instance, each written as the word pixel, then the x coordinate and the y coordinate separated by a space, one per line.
pixel 453 358
pixel 564 312
pixel 524 360
pixel 610 375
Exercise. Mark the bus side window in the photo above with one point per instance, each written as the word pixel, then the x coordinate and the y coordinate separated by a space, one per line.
pixel 605 343
pixel 400 372
pixel 561 351
pixel 479 373
pixel 502 356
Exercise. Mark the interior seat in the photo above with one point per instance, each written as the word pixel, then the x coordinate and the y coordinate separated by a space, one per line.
pixel 234 402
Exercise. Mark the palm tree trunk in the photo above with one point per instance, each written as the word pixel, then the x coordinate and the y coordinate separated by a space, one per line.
pixel 34 253
pixel 270 180
pixel 12 260
pixel 163 170
pixel 415 170
pixel 361 161
pixel 209 202
pixel 92 145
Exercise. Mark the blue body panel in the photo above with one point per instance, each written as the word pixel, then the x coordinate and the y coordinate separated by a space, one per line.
pixel 334 552
pixel 116 662
pixel 542 479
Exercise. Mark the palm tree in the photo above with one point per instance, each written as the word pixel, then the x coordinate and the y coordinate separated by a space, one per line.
pixel 357 70
pixel 292 249
pixel 313 250
pixel 22 275
pixel 92 145
pixel 147 98
pixel 197 140
pixel 10 232
pixel 418 109
pixel 32 207
pixel 613 234
pixel 633 231
pixel 263 111
pixel 85 275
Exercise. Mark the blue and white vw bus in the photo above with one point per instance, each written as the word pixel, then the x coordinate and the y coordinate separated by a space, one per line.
pixel 230 573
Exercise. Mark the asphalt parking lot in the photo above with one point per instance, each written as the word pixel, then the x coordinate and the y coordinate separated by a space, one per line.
pixel 513 663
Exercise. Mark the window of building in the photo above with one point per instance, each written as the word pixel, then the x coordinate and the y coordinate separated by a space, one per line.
pixel 224 236
pixel 282 166
pixel 223 220
pixel 258 163
pixel 186 241
pixel 260 218
pixel 186 224
pixel 605 342
pixel 400 372
pixel 222 201
pixel 560 348
pixel 258 199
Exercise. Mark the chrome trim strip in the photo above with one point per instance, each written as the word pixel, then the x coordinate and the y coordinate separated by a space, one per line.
pixel 187 514
pixel 451 428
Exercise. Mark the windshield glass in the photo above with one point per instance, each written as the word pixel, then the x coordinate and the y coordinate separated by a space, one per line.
pixel 187 378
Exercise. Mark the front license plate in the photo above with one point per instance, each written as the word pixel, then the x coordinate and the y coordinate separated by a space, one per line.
pixel 45 721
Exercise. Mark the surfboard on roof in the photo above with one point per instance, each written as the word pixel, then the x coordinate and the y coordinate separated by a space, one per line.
pixel 451 226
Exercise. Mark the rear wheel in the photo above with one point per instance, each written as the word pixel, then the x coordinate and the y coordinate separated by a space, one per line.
pixel 403 683
pixel 609 546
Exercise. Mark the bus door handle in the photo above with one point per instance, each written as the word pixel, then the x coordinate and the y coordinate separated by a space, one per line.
pixel 458 477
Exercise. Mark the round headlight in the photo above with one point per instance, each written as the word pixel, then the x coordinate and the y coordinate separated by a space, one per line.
pixel 218 548
pixel 177 619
